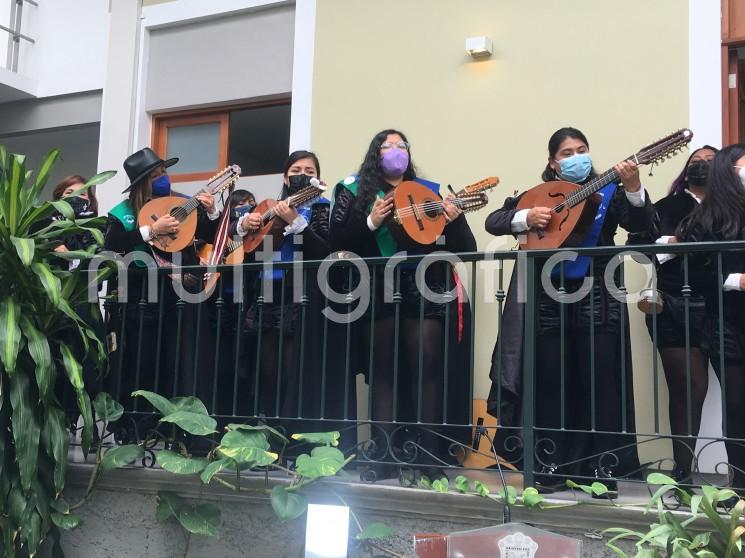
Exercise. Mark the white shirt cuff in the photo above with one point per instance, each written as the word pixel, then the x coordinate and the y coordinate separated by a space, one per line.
pixel 519 221
pixel 239 227
pixel 213 216
pixel 733 282
pixel 662 258
pixel 637 199
pixel 370 224
pixel 297 226
pixel 145 232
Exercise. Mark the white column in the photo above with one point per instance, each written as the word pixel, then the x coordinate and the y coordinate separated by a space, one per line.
pixel 117 113
pixel 302 74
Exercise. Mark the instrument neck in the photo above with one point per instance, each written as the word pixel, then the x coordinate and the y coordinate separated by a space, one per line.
pixel 192 203
pixel 594 185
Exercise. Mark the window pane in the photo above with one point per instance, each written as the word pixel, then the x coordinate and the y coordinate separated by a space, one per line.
pixel 197 146
pixel 259 139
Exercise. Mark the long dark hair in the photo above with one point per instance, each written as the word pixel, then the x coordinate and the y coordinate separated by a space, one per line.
pixel 371 174
pixel 293 158
pixel 681 182
pixel 721 214
pixel 239 196
pixel 71 180
pixel 554 142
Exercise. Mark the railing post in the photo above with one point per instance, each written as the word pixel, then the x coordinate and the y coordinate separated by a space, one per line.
pixel 529 346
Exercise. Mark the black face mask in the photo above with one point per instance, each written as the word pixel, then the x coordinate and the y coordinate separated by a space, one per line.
pixel 240 211
pixel 297 182
pixel 697 173
pixel 80 208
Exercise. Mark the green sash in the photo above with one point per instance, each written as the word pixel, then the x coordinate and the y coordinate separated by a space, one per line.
pixel 123 213
pixel 383 236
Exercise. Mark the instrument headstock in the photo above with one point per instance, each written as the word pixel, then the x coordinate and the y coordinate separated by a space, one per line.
pixel 223 179
pixel 481 186
pixel 664 148
pixel 308 194
pixel 472 202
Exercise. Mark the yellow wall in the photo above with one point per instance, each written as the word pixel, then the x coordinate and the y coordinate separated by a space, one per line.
pixel 618 71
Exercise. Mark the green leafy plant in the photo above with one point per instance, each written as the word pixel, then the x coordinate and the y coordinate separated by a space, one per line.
pixel 43 340
pixel 701 532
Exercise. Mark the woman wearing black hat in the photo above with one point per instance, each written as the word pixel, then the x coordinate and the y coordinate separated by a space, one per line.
pixel 157 348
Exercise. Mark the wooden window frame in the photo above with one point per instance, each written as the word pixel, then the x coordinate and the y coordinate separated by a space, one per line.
pixel 733 37
pixel 161 122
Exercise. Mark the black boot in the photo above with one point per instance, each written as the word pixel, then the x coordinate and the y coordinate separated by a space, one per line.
pixel 546 481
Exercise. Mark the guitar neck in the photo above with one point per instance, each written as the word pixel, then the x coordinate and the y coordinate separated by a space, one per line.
pixel 596 184
pixel 303 197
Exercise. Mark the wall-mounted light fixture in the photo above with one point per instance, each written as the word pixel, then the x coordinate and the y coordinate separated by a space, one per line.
pixel 479 47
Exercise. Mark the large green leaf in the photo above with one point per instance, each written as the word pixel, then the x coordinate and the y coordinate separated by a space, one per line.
pixel 327 438
pixel 49 281
pixel 66 522
pixel 324 461
pixel 13 197
pixel 202 519
pixel 193 423
pixel 106 408
pixel 31 532
pixel 55 441
pixel 24 248
pixel 122 455
pixel 43 174
pixel 26 427
pixel 259 428
pixel 38 348
pixel 164 406
pixel 191 404
pixel 180 465
pixel 64 208
pixel 72 367
pixel 169 505
pixel 215 467
pixel 10 333
pixel 288 505
pixel 248 448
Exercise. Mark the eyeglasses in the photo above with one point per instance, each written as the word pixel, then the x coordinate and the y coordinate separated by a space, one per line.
pixel 401 145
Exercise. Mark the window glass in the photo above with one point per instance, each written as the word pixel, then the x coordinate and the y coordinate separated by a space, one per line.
pixel 197 147
pixel 259 139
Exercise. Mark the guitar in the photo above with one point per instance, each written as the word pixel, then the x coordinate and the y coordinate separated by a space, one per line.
pixel 184 211
pixel 231 256
pixel 480 454
pixel 574 207
pixel 270 224
pixel 418 213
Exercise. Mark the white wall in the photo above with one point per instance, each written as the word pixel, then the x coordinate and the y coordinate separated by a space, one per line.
pixel 69 54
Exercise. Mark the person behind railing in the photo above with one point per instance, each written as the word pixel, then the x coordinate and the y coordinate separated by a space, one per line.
pixel 672 330
pixel 721 217
pixel 359 225
pixel 232 386
pixel 592 335
pixel 146 360
pixel 289 352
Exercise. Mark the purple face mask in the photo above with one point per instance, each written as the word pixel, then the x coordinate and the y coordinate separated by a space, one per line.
pixel 394 162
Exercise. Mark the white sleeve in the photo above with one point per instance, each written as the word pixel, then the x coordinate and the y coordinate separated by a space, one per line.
pixel 297 226
pixel 519 221
pixel 732 283
pixel 637 199
pixel 370 224
pixel 662 258
pixel 145 232
pixel 213 216
pixel 239 227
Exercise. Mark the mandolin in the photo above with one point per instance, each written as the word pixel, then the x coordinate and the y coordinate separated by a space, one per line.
pixel 184 210
pixel 574 207
pixel 418 214
pixel 231 256
pixel 270 224
pixel 479 455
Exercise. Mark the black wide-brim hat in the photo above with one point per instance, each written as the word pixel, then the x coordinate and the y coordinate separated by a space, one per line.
pixel 141 163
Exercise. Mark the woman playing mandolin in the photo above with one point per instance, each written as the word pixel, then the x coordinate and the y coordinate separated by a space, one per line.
pixel 594 336
pixel 359 224
pixel 148 180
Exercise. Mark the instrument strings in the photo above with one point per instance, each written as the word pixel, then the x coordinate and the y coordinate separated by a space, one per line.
pixel 462 203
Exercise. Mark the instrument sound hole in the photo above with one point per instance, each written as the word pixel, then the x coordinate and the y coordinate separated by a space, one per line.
pixel 432 209
pixel 178 213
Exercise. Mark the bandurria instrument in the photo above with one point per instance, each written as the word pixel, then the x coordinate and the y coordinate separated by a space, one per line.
pixel 574 207
pixel 184 211
pixel 270 224
pixel 232 256
pixel 418 214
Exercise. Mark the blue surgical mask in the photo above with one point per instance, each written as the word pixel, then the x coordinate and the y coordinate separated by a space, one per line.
pixel 161 186
pixel 576 168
